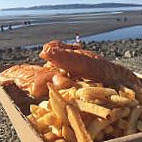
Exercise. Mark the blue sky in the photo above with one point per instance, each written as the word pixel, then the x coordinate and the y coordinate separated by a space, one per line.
pixel 28 3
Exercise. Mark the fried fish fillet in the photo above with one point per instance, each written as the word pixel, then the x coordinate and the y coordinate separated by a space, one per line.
pixel 56 44
pixel 34 79
pixel 31 78
pixel 97 69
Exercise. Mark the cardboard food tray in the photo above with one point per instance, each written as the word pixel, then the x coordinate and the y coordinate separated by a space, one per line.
pixel 17 107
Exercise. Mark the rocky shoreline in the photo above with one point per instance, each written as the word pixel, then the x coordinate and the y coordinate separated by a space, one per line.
pixel 128 53
pixel 116 51
pixel 125 52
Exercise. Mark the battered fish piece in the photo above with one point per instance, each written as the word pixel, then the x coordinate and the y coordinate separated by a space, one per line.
pixel 56 44
pixel 31 78
pixel 34 79
pixel 94 69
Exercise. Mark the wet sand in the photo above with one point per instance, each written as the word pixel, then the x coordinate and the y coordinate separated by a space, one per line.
pixel 64 27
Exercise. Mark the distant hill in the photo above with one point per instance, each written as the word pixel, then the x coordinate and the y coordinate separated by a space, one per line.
pixel 75 6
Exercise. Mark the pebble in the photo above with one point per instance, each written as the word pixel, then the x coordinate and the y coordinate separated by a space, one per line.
pixel 7 131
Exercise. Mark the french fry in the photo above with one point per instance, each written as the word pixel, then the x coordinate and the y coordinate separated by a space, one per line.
pixel 115 114
pixel 58 104
pixel 50 137
pixel 83 84
pixel 99 102
pixel 127 93
pixel 44 104
pixel 89 84
pixel 61 140
pixel 71 91
pixel 86 114
pixel 122 101
pixel 93 109
pixel 132 124
pixel 48 119
pixel 87 118
pixel 38 111
pixel 100 124
pixel 56 130
pixel 119 101
pixel 91 93
pixel 39 128
pixel 77 125
pixel 139 125
pixel 32 120
pixel 33 108
pixel 97 126
pixel 69 94
pixel 68 134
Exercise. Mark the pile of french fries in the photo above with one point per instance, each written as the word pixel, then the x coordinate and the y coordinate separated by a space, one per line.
pixel 88 113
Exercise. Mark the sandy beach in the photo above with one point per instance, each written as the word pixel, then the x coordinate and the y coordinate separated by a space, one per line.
pixel 64 27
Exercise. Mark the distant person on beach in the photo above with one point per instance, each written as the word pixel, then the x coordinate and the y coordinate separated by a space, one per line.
pixel 125 19
pixel 78 42
pixel 2 29
pixel 118 19
pixel 10 27
pixel 77 38
pixel 29 23
pixel 25 23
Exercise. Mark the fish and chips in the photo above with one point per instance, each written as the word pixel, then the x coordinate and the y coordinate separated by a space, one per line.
pixel 89 98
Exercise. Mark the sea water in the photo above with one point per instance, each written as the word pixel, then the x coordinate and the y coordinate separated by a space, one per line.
pixel 30 13
pixel 119 34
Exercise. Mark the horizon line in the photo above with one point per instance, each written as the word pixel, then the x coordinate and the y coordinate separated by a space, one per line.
pixel 73 4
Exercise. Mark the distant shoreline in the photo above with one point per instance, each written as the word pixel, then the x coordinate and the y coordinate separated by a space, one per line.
pixel 63 29
pixel 11 41
pixel 74 6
